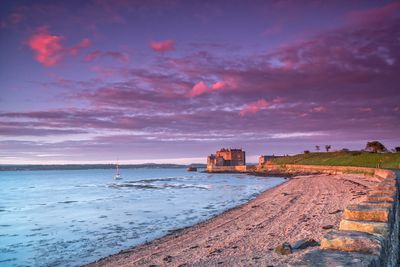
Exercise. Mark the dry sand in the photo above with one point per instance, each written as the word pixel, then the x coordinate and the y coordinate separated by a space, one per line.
pixel 248 234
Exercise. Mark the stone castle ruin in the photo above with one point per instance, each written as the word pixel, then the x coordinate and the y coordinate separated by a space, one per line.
pixel 227 160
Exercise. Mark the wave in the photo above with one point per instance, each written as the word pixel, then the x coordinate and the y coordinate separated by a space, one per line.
pixel 149 185
pixel 153 180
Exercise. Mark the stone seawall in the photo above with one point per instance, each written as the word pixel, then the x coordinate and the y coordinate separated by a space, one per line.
pixel 368 234
pixel 226 168
pixel 312 169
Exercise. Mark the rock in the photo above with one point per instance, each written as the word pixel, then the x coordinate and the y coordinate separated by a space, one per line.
pixel 336 211
pixel 328 226
pixel 284 249
pixel 305 243
pixel 168 258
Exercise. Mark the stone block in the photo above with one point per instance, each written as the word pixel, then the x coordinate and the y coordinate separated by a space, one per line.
pixel 379 204
pixel 352 242
pixel 384 187
pixel 380 198
pixel 365 212
pixel 382 192
pixel 364 226
pixel 391 181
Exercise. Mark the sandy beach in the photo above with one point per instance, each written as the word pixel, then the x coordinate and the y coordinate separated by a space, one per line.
pixel 300 208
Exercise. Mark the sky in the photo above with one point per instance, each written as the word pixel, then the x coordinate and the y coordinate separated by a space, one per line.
pixel 172 81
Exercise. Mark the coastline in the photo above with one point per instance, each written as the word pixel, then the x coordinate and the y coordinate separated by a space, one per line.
pixel 247 234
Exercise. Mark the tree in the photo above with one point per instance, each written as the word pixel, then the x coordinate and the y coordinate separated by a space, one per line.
pixel 327 147
pixel 317 148
pixel 375 147
pixel 306 152
pixel 397 149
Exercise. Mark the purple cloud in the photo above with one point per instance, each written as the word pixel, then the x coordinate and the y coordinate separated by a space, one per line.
pixel 335 82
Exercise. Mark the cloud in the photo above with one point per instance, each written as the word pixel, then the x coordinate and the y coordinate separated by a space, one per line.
pixel 320 84
pixel 122 57
pixel 273 30
pixel 318 109
pixel 201 88
pixel 254 107
pixel 163 46
pixel 12 19
pixel 373 15
pixel 84 43
pixel 364 109
pixel 296 135
pixel 48 48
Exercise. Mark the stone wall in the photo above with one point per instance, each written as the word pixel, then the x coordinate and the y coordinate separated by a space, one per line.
pixel 295 169
pixel 368 234
pixel 213 168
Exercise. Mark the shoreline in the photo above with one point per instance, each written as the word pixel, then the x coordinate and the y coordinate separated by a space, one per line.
pixel 179 231
pixel 247 234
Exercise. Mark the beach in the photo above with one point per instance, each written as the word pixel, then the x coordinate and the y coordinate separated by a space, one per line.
pixel 304 207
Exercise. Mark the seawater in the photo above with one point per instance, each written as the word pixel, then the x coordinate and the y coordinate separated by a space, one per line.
pixel 73 217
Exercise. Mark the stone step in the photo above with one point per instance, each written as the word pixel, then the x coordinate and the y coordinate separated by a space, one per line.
pixel 366 212
pixel 379 204
pixel 384 187
pixel 364 226
pixel 382 192
pixel 391 181
pixel 380 198
pixel 351 241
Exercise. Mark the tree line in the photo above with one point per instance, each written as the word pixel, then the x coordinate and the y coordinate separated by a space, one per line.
pixel 373 147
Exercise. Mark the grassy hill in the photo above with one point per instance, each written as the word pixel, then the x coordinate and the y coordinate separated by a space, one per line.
pixel 351 158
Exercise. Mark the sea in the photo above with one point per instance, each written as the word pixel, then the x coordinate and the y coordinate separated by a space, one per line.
pixel 74 217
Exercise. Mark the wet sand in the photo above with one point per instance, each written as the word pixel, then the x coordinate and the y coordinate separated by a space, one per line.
pixel 247 235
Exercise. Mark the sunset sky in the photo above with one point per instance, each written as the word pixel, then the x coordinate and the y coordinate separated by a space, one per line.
pixel 173 81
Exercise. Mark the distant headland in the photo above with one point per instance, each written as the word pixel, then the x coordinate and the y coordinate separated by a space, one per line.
pixel 28 167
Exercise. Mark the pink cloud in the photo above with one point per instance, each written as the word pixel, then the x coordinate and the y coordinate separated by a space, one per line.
pixel 48 48
pixel 201 88
pixel 278 100
pixel 218 85
pixel 254 107
pixel 364 110
pixel 85 43
pixel 163 46
pixel 318 109
pixel 373 14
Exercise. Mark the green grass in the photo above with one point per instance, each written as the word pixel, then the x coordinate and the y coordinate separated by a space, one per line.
pixel 351 158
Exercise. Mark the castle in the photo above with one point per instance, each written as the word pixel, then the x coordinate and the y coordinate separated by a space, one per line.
pixel 227 160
